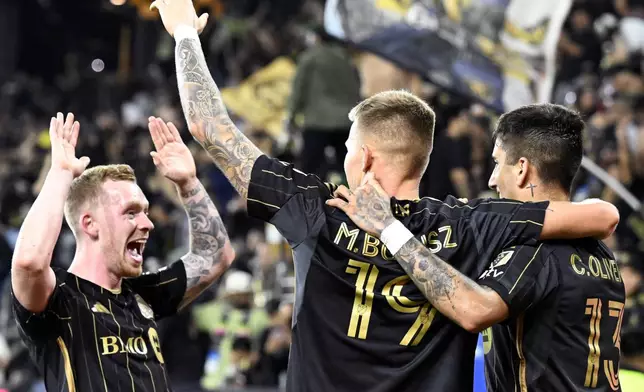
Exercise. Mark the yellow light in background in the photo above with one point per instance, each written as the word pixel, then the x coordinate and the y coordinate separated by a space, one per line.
pixel 117 2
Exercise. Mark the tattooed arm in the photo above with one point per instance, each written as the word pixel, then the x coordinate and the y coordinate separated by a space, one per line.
pixel 454 295
pixel 207 117
pixel 210 250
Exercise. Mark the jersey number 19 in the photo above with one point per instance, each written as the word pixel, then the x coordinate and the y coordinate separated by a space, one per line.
pixel 363 303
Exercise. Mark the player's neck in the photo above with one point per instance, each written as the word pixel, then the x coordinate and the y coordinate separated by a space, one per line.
pixel 92 266
pixel 541 193
pixel 401 190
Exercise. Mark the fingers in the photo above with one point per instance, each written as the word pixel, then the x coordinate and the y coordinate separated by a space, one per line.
pixel 154 133
pixel 60 121
pixel 338 203
pixel 53 125
pixel 176 136
pixel 155 158
pixel 369 176
pixel 67 127
pixel 344 193
pixel 73 138
pixel 164 132
pixel 202 22
pixel 84 161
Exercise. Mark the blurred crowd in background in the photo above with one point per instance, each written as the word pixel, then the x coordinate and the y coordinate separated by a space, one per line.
pixel 238 333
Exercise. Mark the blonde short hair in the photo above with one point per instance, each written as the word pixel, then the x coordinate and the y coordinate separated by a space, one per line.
pixel 403 123
pixel 86 188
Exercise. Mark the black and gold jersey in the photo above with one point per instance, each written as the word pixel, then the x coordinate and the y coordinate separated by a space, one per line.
pixel 359 323
pixel 566 301
pixel 92 339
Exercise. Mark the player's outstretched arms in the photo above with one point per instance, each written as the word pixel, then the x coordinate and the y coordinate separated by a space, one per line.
pixel 210 250
pixel 201 100
pixel 471 306
pixel 32 279
pixel 591 218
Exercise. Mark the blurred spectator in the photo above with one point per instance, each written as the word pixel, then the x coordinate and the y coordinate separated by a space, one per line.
pixel 232 316
pixel 320 107
pixel 274 344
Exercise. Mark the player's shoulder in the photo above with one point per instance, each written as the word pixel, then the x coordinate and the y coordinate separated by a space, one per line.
pixel 583 247
pixel 588 264
pixel 453 208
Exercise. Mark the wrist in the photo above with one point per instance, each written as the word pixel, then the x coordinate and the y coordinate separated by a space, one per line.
pixel 386 223
pixel 188 186
pixel 60 175
pixel 183 31
pixel 394 236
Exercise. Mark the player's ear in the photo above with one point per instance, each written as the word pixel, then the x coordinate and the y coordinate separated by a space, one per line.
pixel 88 225
pixel 521 171
pixel 367 158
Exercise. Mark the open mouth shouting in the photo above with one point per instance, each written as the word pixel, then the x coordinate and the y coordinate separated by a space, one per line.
pixel 135 249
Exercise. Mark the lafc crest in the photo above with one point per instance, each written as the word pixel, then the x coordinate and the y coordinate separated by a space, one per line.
pixel 145 309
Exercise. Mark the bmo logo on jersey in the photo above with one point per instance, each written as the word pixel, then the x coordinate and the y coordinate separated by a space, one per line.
pixel 133 345
pixel 502 259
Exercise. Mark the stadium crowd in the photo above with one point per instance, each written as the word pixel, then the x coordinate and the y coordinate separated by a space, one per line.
pixel 238 334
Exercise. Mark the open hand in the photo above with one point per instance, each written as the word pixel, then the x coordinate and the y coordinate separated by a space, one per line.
pixel 172 157
pixel 179 12
pixel 369 206
pixel 63 134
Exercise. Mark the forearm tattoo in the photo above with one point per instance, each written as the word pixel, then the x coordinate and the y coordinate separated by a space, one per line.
pixel 207 236
pixel 204 109
pixel 437 280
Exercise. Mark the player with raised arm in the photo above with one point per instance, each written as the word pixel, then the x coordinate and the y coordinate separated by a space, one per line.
pixel 359 325
pixel 93 327
pixel 567 293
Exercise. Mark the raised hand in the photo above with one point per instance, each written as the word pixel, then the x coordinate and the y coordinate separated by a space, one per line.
pixel 369 206
pixel 63 134
pixel 179 12
pixel 172 157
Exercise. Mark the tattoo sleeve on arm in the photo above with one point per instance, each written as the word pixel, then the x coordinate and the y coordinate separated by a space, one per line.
pixel 206 114
pixel 452 293
pixel 208 239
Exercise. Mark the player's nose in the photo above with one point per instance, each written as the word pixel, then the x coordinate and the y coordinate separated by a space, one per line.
pixel 145 223
pixel 491 183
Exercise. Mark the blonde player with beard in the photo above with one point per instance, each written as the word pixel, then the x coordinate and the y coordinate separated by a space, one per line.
pixel 93 327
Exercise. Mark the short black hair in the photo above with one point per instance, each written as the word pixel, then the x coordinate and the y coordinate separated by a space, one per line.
pixel 548 135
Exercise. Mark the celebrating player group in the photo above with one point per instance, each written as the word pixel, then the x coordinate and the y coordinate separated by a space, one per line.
pixel 391 287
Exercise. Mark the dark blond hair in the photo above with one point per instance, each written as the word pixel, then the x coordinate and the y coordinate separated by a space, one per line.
pixel 402 123
pixel 86 188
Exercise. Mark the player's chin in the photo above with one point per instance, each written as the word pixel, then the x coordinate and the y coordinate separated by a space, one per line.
pixel 130 271
pixel 132 267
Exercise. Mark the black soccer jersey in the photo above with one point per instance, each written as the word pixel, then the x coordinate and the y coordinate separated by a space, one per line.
pixel 566 303
pixel 90 339
pixel 359 323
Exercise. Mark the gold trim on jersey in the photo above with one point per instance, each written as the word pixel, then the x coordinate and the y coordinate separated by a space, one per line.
pixel 263 203
pixel 528 221
pixel 526 268
pixel 98 354
pixel 113 291
pixel 164 282
pixel 276 175
pixel 523 384
pixel 154 388
pixel 69 372
pixel 127 354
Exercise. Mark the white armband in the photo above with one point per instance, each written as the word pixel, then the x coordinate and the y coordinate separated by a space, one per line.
pixel 395 236
pixel 185 31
